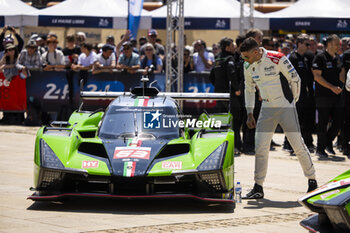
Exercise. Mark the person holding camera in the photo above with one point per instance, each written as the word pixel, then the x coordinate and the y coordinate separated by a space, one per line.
pixel 12 31
pixel 151 59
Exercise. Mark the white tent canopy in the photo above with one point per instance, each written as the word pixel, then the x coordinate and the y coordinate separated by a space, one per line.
pixel 313 15
pixel 88 13
pixel 315 8
pixel 13 11
pixel 217 9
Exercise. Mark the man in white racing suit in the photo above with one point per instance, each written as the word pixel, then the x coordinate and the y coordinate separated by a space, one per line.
pixel 263 68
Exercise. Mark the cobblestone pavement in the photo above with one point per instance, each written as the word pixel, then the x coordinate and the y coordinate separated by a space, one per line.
pixel 278 212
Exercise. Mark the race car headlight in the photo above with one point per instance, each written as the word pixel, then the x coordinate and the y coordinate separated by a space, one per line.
pixel 48 158
pixel 214 160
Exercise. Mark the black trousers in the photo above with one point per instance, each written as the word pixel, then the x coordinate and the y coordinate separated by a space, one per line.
pixel 306 113
pixel 330 116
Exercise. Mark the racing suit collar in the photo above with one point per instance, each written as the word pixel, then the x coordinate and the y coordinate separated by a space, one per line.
pixel 264 52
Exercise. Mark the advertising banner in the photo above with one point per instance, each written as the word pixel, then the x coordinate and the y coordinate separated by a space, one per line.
pixel 12 94
pixel 76 21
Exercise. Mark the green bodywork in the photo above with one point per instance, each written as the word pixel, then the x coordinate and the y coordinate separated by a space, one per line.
pixel 328 195
pixel 65 143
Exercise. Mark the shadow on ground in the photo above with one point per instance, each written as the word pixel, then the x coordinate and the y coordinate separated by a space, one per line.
pixel 263 203
pixel 134 207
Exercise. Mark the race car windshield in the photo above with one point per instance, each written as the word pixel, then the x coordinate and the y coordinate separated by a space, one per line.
pixel 147 123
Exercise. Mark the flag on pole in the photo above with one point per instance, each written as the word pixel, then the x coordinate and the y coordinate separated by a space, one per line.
pixel 135 8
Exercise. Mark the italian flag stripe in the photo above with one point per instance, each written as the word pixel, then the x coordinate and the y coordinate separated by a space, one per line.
pixel 129 169
pixel 140 102
pixel 145 102
pixel 135 142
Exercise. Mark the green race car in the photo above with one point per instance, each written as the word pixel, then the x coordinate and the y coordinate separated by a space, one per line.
pixel 140 147
pixel 332 203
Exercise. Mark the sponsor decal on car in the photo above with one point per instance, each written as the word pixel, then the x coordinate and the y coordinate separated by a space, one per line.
pixel 129 169
pixel 132 152
pixel 326 187
pixel 323 196
pixel 89 164
pixel 172 165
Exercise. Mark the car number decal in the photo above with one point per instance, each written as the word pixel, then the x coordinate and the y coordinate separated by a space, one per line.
pixel 132 152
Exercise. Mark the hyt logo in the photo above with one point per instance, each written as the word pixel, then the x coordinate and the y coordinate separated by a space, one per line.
pixel 151 119
pixel 89 164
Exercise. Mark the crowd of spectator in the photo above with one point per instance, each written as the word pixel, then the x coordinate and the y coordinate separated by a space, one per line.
pixel 319 64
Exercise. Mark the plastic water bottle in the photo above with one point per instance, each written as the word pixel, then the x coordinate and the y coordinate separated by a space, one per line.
pixel 238 193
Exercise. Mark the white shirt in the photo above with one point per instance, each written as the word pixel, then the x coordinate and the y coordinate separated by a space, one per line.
pixel 103 61
pixel 199 66
pixel 87 61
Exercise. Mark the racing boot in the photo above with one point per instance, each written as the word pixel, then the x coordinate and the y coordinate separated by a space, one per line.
pixel 312 185
pixel 256 193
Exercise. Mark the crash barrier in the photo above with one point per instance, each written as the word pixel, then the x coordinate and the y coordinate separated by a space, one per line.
pixel 52 91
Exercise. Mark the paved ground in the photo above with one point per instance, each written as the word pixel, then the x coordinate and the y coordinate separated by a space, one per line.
pixel 279 212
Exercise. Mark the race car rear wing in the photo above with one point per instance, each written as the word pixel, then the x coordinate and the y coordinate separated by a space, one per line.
pixel 174 95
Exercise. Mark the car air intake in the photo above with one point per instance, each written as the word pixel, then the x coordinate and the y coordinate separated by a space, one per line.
pixel 93 149
pixel 176 149
pixel 87 134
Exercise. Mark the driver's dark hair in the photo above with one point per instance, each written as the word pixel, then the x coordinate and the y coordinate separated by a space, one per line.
pixel 249 44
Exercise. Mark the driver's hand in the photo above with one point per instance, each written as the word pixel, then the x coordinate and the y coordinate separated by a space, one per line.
pixel 251 123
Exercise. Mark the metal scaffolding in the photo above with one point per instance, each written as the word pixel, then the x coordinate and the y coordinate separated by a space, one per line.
pixel 174 44
pixel 246 16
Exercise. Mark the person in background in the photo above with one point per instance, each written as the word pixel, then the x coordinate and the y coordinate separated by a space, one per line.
pixel 128 61
pixel 143 40
pixel 110 40
pixel 285 49
pixel 326 68
pixel 151 59
pixel 72 51
pixel 12 32
pixel 41 42
pixel 52 59
pixel 80 38
pixel 188 61
pixel 152 38
pixel 224 78
pixel 30 56
pixel 216 50
pixel 257 34
pixel 86 59
pixel 105 61
pixel 54 36
pixel 203 60
pixel 320 46
pixel 133 42
pixel 306 104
